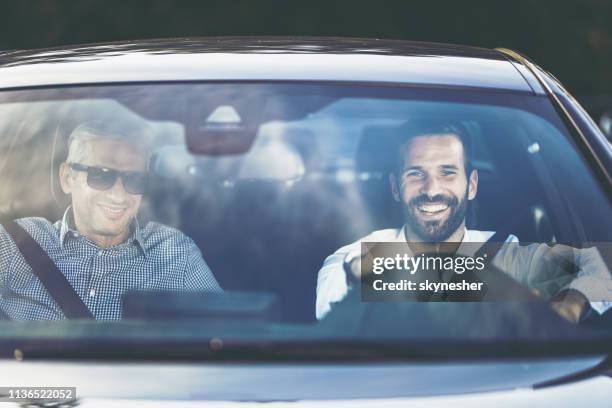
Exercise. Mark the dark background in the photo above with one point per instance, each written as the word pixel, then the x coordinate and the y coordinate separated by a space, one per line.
pixel 571 39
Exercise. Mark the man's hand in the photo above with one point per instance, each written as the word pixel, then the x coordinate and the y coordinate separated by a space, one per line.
pixel 356 270
pixel 569 304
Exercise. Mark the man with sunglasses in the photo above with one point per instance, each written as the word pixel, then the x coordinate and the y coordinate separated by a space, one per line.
pixel 98 245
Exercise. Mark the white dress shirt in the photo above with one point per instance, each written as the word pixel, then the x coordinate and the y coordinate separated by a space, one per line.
pixel 530 265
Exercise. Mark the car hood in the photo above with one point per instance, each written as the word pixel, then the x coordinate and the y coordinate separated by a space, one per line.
pixel 265 382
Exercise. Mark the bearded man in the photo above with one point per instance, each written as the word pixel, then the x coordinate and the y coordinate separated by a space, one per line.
pixel 433 180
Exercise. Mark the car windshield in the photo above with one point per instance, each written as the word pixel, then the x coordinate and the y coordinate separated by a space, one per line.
pixel 252 212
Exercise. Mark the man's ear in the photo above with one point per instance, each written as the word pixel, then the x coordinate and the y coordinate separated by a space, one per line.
pixel 394 187
pixel 65 178
pixel 473 184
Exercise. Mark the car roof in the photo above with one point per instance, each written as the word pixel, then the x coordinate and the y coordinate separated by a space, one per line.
pixel 265 58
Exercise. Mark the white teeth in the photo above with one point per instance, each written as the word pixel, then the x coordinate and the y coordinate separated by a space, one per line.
pixel 113 210
pixel 433 208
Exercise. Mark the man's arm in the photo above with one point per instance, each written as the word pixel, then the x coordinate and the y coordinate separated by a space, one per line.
pixel 198 276
pixel 571 278
pixel 593 280
pixel 7 252
pixel 331 280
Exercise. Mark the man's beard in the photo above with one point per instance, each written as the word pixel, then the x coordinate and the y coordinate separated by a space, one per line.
pixel 436 230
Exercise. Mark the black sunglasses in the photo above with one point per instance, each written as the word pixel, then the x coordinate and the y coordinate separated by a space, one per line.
pixel 102 178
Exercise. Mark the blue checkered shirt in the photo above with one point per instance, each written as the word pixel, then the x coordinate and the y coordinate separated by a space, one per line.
pixel 155 257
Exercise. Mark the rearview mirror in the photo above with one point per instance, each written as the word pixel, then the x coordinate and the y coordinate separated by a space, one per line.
pixel 221 130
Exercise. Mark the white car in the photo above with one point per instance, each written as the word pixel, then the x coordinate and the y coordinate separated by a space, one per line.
pixel 270 154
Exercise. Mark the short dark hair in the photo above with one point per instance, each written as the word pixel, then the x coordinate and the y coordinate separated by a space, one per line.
pixel 431 127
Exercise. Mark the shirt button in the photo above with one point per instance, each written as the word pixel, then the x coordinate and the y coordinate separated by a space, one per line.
pixel 100 253
pixel 92 293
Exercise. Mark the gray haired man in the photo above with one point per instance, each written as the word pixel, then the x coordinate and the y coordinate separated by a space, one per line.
pixel 98 245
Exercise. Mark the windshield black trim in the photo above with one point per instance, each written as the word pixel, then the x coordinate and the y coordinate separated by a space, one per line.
pixel 326 351
pixel 279 82
pixel 588 150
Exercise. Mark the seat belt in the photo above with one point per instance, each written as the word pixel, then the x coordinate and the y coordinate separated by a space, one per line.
pixel 493 245
pixel 48 273
pixel 491 248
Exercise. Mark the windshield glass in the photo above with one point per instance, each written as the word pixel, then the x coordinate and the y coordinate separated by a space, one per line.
pixel 297 211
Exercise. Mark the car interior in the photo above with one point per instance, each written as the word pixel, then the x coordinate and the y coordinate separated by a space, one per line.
pixel 265 220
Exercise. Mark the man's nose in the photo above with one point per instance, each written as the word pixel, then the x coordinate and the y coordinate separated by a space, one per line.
pixel 431 187
pixel 117 191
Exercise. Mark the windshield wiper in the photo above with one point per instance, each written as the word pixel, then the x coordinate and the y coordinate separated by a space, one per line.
pixel 603 368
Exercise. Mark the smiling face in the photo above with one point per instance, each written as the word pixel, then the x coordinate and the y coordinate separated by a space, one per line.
pixel 433 187
pixel 104 216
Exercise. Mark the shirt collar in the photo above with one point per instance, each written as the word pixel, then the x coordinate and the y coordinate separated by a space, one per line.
pixel 474 237
pixel 468 235
pixel 64 226
pixel 67 227
pixel 401 234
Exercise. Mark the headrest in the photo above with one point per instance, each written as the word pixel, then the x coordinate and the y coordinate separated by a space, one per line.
pixel 375 149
